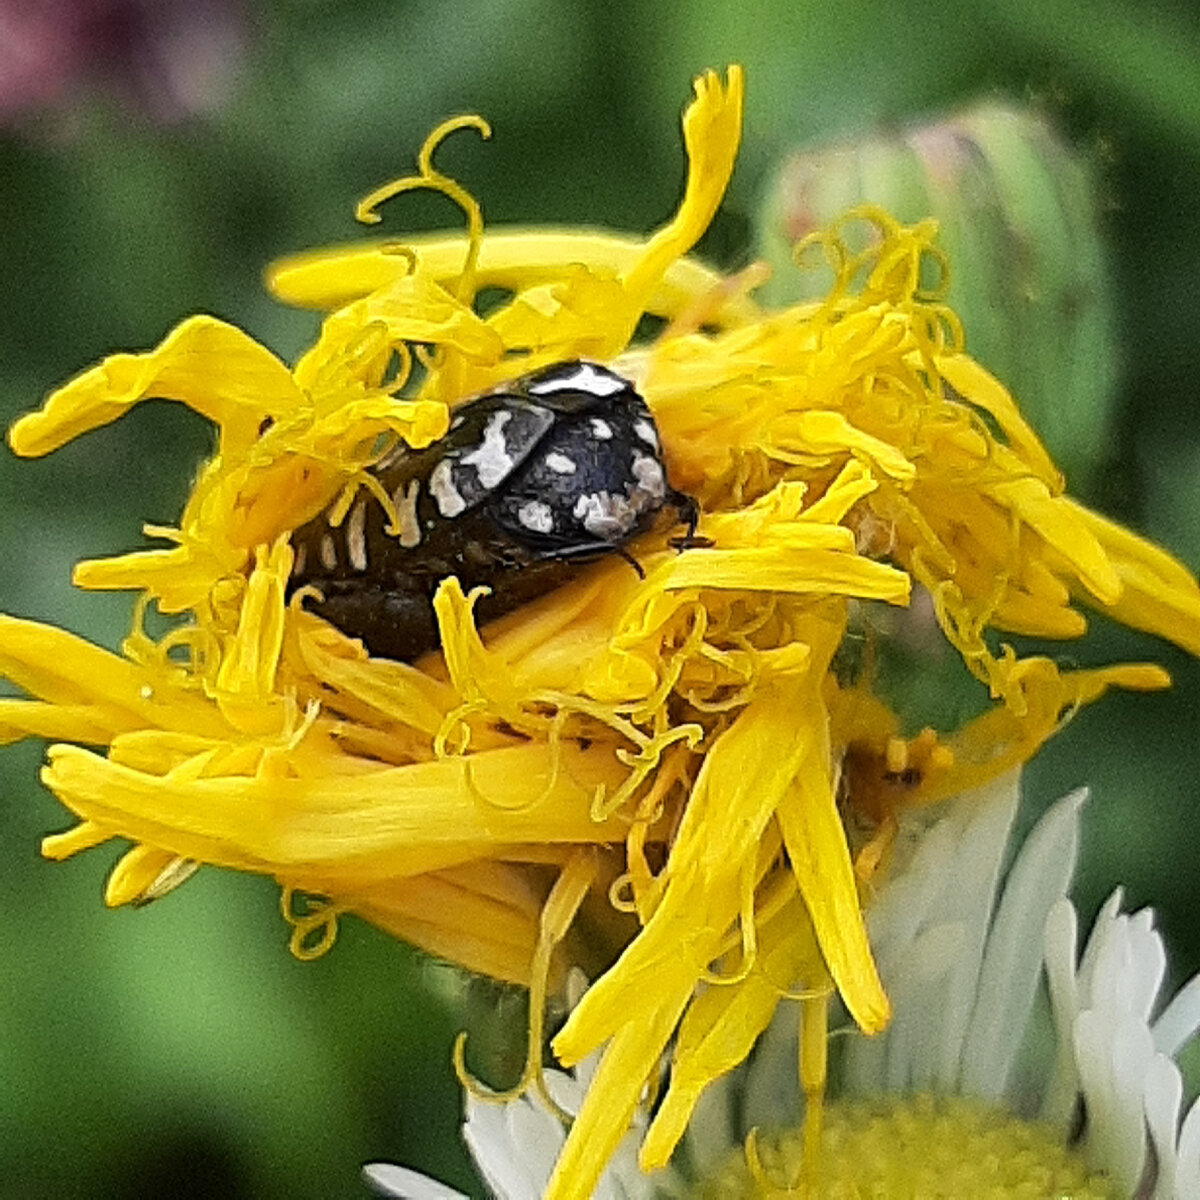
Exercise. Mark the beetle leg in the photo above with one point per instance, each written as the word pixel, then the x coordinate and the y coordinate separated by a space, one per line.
pixel 689 515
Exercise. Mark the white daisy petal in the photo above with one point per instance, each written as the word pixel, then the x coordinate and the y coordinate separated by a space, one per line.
pixel 1187 1160
pixel 1132 1054
pixel 1163 1095
pixel 387 1179
pixel 772 1086
pixel 505 1167
pixel 1093 1035
pixel 1148 964
pixel 1008 975
pixel 1179 1021
pixel 930 925
pixel 1114 1051
pixel 713 1128
pixel 864 1065
pixel 1059 941
pixel 970 900
pixel 537 1132
pixel 918 990
pixel 904 903
pixel 623 1179
pixel 904 908
pixel 1108 919
pixel 567 1091
pixel 1108 986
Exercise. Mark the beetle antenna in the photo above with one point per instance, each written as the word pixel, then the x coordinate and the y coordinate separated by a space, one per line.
pixel 633 562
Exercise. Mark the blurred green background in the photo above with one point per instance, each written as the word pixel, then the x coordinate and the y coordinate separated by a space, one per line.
pixel 154 156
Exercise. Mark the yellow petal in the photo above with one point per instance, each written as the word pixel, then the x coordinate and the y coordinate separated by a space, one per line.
pixel 248 665
pixel 178 579
pixel 210 366
pixel 786 569
pixel 93 724
pixel 712 130
pixel 511 259
pixel 83 836
pixel 747 771
pixel 612 1097
pixel 140 872
pixel 1159 594
pixel 971 381
pixel 722 1024
pixel 63 669
pixel 397 691
pixel 412 308
pixel 581 315
pixel 484 918
pixel 339 832
pixel 1059 524
pixel 816 846
pixel 1004 737
pixel 829 435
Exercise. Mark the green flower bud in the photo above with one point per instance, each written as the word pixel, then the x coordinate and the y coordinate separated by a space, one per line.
pixel 1018 218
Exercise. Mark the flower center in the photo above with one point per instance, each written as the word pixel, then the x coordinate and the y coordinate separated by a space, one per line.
pixel 909 1146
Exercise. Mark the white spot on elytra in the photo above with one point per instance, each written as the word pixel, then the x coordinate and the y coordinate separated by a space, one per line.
pixel 445 494
pixel 405 500
pixel 645 431
pixel 301 559
pixel 559 463
pixel 605 515
pixel 649 474
pixel 596 381
pixel 536 516
pixel 601 429
pixel 356 536
pixel 491 458
pixel 328 552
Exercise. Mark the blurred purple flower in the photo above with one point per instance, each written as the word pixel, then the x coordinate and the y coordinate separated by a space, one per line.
pixel 169 58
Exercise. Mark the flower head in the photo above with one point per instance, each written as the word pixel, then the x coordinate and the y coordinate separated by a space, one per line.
pixel 641 771
pixel 1013 1063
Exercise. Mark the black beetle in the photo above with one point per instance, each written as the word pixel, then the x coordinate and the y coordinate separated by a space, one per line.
pixel 559 467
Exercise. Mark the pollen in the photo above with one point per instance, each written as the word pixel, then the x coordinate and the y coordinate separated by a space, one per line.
pixel 911 1146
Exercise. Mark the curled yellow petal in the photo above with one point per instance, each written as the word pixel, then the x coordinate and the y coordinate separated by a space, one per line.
pixel 509 259
pixel 210 366
pixel 712 129
pixel 145 874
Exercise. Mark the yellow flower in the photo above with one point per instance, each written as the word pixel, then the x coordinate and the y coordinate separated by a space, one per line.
pixel 645 775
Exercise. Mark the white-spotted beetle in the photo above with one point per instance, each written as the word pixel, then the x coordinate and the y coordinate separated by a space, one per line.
pixel 557 468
